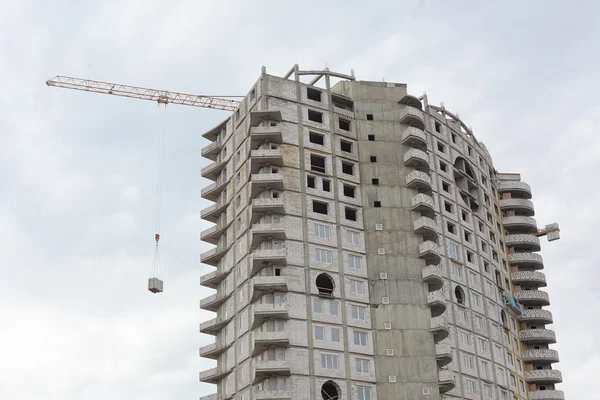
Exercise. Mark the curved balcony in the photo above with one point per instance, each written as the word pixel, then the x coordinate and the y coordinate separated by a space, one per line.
pixel 537 297
pixel 265 134
pixel 537 336
pixel 526 224
pixel 436 301
pixel 546 395
pixel 266 284
pixel 439 328
pixel 267 205
pixel 536 316
pixel 262 232
pixel 212 256
pixel 530 278
pixel 540 356
pixel 526 260
pixel 262 182
pixel 212 191
pixel 443 354
pixel 446 380
pixel 272 395
pixel 263 258
pixel 262 341
pixel 212 150
pixel 212 279
pixel 265 369
pixel 212 350
pixel 523 242
pixel 418 180
pixel 214 325
pixel 417 159
pixel 549 376
pixel 423 202
pixel 212 234
pixel 213 170
pixel 425 226
pixel 264 312
pixel 429 250
pixel 412 116
pixel 213 212
pixel 433 275
pixel 414 137
pixel 523 206
pixel 516 188
pixel 213 375
pixel 261 157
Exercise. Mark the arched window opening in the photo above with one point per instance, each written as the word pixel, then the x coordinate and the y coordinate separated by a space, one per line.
pixel 503 318
pixel 460 295
pixel 325 285
pixel 330 391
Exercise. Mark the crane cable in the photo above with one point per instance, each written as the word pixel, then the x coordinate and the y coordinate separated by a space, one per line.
pixel 155 272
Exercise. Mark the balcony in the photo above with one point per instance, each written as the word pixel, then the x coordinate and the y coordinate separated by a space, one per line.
pixel 212 234
pixel 418 180
pixel 546 395
pixel 527 260
pixel 524 206
pixel 266 284
pixel 414 137
pixel 417 159
pixel 263 258
pixel 264 369
pixel 429 250
pixel 546 356
pixel 433 275
pixel 212 150
pixel 536 297
pixel 213 375
pixel 212 303
pixel 439 328
pixel 536 316
pixel 425 226
pixel 445 380
pixel 212 256
pixel 212 191
pixel 443 354
pixel 548 376
pixel 436 301
pixel 516 188
pixel 530 278
pixel 262 182
pixel 213 170
pixel 267 205
pixel 212 280
pixel 262 232
pixel 261 157
pixel 212 350
pixel 348 114
pixel 526 224
pixel 423 203
pixel 265 134
pixel 212 213
pixel 523 242
pixel 213 326
pixel 264 312
pixel 272 395
pixel 263 340
pixel 412 116
pixel 537 336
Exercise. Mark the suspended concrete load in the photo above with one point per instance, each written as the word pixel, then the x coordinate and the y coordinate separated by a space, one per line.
pixel 155 284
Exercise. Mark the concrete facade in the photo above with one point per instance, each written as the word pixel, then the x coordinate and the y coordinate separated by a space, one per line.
pixel 366 248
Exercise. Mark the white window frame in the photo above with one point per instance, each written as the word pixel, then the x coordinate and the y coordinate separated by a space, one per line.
pixel 323 255
pixel 360 338
pixel 358 311
pixel 353 237
pixel 357 287
pixel 363 393
pixel 321 329
pixel 338 335
pixel 322 231
pixel 354 262
pixel 315 302
pixel 337 308
pixel 330 361
pixel 363 365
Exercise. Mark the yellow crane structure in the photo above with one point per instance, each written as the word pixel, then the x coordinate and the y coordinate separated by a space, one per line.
pixel 155 284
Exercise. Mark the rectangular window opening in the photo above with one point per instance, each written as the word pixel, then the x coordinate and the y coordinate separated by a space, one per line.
pixel 350 214
pixel 313 94
pixel 316 138
pixel 346 146
pixel 369 117
pixel 348 168
pixel 317 163
pixel 320 207
pixel 344 124
pixel 349 191
pixel 315 116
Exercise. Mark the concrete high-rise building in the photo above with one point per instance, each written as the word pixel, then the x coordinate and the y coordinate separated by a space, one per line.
pixel 366 248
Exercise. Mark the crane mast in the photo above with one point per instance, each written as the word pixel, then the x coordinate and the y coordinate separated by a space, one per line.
pixel 160 96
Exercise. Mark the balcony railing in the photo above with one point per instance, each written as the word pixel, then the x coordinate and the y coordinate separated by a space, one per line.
pixel 443 354
pixel 213 212
pixel 265 181
pixel 543 376
pixel 523 242
pixel 214 325
pixel 433 275
pixel 523 205
pixel 536 316
pixel 532 297
pixel 262 258
pixel 439 328
pixel 446 380
pixel 213 170
pixel 265 134
pixel 425 226
pixel 530 260
pixel 429 250
pixel 273 395
pixel 212 150
pixel 531 336
pixel 529 277
pixel 416 158
pixel 414 137
pixel 527 224
pixel 519 189
pixel 263 312
pixel 212 256
pixel 264 369
pixel 261 157
pixel 264 340
pixel 418 179
pixel 265 284
pixel 422 202
pixel 546 395
pixel 261 232
pixel 412 116
pixel 540 356
pixel 212 191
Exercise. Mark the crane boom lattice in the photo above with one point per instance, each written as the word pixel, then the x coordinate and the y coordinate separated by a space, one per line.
pixel 160 96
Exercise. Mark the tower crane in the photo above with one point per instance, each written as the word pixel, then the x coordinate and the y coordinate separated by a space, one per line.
pixel 155 284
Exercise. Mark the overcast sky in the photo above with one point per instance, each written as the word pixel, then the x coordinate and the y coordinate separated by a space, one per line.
pixel 78 170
